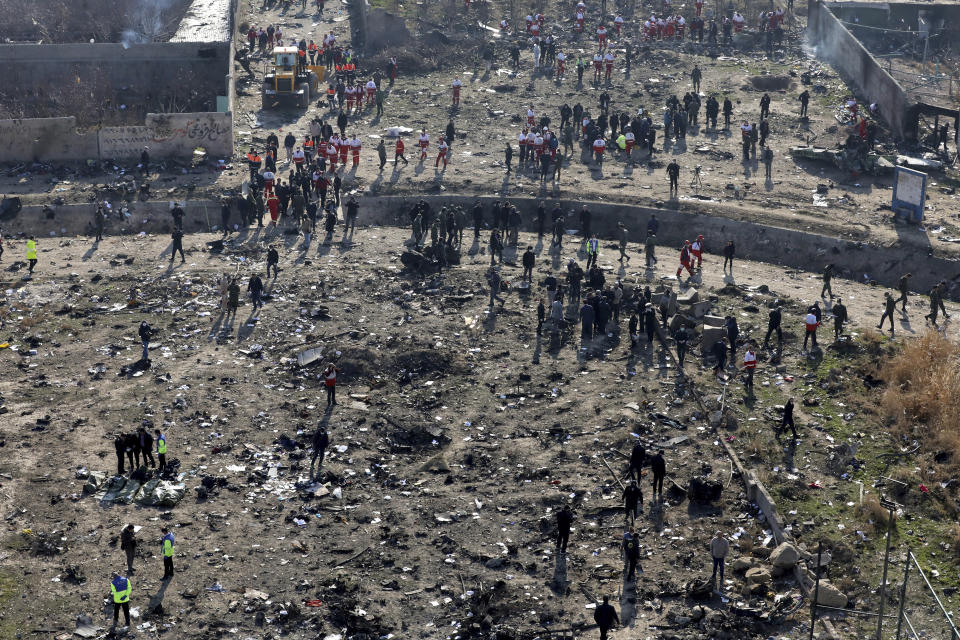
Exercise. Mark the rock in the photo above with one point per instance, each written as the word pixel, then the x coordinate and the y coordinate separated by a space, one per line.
pixel 758 575
pixel 697 613
pixel 829 596
pixel 495 563
pixel 436 464
pixel 786 555
pixel 690 296
pixel 742 564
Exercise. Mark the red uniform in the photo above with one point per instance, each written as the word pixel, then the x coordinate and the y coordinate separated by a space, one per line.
pixel 685 262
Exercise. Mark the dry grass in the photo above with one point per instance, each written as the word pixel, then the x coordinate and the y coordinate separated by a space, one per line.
pixel 876 514
pixel 923 384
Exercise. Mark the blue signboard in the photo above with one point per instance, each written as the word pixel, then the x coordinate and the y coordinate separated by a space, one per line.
pixel 909 193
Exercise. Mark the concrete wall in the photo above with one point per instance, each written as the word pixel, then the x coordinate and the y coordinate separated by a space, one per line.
pixel 54 139
pixel 785 247
pixel 835 44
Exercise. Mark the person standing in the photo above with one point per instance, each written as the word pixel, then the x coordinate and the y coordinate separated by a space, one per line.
pixel 541 316
pixel 811 323
pixel 632 496
pixel 638 456
pixel 529 261
pixel 166 548
pixel 31 253
pixel 128 543
pixel 120 589
pixel 161 450
pixel 840 317
pixel 606 617
pixel 145 332
pixel 145 444
pixel 255 289
pixel 593 248
pixel 728 252
pixel 177 238
pixel 273 259
pixel 624 234
pixel 889 305
pixel 681 337
pixel 630 550
pixel 750 364
pixel 767 157
pixel 719 548
pixel 695 76
pixel 99 221
pixel 773 324
pixel 321 440
pixel 382 153
pixel 659 468
pixel 673 171
pixel 330 381
pixel 685 260
pixel 804 101
pixel 564 520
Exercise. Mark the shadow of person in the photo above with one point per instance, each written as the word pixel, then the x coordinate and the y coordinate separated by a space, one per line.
pixel 155 604
pixel 559 582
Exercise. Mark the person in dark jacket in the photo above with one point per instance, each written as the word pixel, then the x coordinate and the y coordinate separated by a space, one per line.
pixel 632 497
pixel 321 439
pixel 787 419
pixel 255 289
pixel 733 332
pixel 659 468
pixel 145 446
pixel 631 553
pixel 638 455
pixel 529 261
pixel 606 617
pixel 564 520
pixel 728 252
pixel 681 337
pixel 773 324
pixel 145 332
pixel 128 543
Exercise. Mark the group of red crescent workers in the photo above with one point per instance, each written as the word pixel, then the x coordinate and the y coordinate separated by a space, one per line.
pixel 688 253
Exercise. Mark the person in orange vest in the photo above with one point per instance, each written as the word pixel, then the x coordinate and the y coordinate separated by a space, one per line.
pixel 330 382
pixel 301 59
pixel 398 152
pixel 697 250
pixel 685 260
pixel 355 149
pixel 457 85
pixel 308 149
pixel 312 49
pixel 441 153
pixel 253 161
pixel 750 364
pixel 331 95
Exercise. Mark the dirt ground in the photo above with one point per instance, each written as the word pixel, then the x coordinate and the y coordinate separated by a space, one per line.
pixel 437 398
pixel 459 432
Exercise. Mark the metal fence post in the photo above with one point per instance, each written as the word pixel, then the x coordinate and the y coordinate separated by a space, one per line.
pixel 886 560
pixel 903 593
pixel 816 590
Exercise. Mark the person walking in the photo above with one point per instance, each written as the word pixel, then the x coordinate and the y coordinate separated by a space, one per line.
pixel 638 456
pixel 564 520
pixel 128 543
pixel 166 548
pixel 273 259
pixel 255 289
pixel 767 157
pixel 330 381
pixel 889 305
pixel 630 551
pixel 632 497
pixel 681 337
pixel 773 324
pixel 161 441
pixel 673 172
pixel 99 221
pixel 321 440
pixel 904 287
pixel 650 249
pixel 120 589
pixel 719 548
pixel 659 468
pixel 827 277
pixel 529 261
pixel 606 617
pixel 31 253
pixel 624 234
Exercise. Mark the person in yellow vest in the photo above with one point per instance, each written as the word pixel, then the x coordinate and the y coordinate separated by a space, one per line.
pixel 120 588
pixel 32 252
pixel 161 449
pixel 166 547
